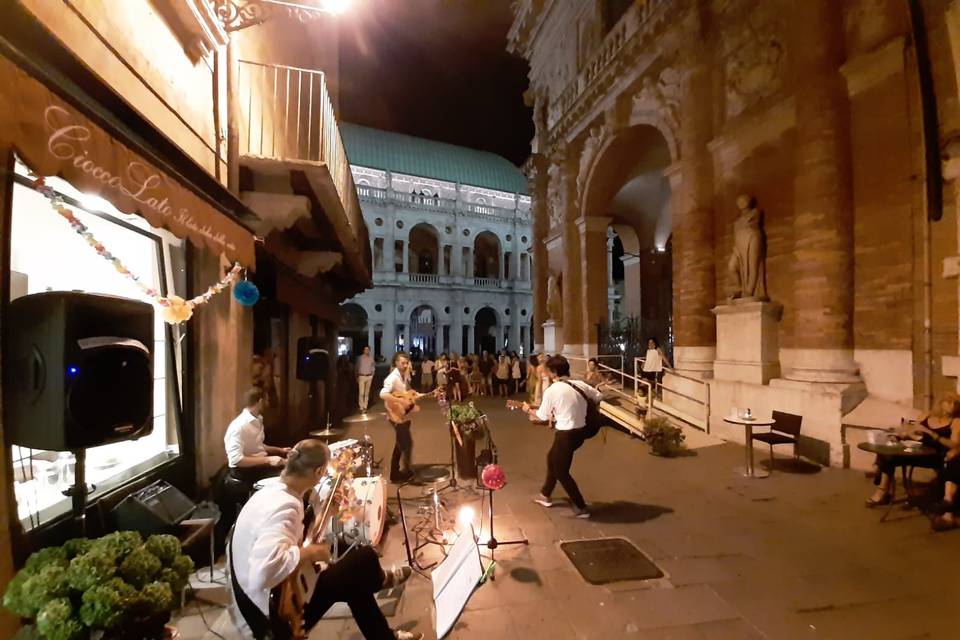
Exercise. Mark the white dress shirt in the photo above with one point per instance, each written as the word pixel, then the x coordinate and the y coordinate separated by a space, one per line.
pixel 266 542
pixel 244 437
pixel 563 404
pixel 394 383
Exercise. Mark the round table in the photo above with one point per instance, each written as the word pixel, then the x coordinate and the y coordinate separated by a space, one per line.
pixel 902 457
pixel 748 425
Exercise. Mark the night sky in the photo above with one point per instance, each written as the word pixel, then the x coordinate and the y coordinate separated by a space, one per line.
pixel 436 69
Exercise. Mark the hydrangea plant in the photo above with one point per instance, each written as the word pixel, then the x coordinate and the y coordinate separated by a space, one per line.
pixel 109 585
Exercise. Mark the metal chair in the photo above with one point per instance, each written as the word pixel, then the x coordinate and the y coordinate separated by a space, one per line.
pixel 785 430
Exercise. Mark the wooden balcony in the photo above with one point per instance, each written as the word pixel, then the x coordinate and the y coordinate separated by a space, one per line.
pixel 288 129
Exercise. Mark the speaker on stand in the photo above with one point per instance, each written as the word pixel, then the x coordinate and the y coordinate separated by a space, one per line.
pixel 78 373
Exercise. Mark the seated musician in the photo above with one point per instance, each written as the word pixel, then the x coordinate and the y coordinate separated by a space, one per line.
pixel 267 548
pixel 248 457
pixel 399 399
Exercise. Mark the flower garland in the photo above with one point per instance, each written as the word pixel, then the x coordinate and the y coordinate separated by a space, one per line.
pixel 174 309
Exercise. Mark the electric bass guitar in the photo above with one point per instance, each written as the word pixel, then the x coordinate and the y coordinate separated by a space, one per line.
pixel 288 599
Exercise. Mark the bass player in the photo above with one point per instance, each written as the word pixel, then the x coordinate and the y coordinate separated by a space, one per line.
pixel 400 401
pixel 266 549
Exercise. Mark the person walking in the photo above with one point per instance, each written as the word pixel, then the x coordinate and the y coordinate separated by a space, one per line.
pixel 515 374
pixel 653 363
pixel 365 370
pixel 533 380
pixel 565 404
pixel 503 375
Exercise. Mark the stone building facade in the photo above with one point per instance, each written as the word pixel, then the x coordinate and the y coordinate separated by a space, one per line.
pixel 450 232
pixel 834 116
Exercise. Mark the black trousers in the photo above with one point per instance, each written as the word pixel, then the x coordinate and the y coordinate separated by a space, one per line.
pixel 355 579
pixel 559 459
pixel 402 450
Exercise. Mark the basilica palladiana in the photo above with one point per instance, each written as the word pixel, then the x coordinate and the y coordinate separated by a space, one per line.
pixel 451 234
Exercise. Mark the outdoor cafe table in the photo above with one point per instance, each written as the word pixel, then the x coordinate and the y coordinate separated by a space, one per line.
pixel 748 424
pixel 899 456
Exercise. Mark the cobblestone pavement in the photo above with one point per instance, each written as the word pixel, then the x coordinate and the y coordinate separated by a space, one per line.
pixel 794 556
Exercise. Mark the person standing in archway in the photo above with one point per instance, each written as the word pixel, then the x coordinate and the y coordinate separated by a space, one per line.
pixel 365 370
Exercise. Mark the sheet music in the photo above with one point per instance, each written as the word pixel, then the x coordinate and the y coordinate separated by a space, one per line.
pixel 454 581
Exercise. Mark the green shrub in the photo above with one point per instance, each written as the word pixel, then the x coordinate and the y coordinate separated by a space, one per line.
pixel 56 621
pixel 92 568
pixel 103 607
pixel 165 547
pixel 664 438
pixel 48 584
pixel 43 557
pixel 139 567
pixel 77 547
pixel 158 596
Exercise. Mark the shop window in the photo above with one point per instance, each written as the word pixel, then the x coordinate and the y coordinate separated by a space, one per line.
pixel 47 255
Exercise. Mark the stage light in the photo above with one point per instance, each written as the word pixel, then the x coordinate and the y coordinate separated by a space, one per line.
pixel 466 516
pixel 336 7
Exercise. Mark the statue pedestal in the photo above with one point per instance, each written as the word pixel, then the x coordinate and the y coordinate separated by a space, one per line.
pixel 552 337
pixel 747 346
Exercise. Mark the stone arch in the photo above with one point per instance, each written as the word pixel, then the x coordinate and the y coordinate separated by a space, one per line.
pixel 487 255
pixel 424 329
pixel 423 248
pixel 487 323
pixel 352 332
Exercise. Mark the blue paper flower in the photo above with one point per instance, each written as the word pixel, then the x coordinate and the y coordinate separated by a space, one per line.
pixel 246 293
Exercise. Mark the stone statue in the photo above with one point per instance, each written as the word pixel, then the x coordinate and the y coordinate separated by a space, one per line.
pixel 747 263
pixel 554 301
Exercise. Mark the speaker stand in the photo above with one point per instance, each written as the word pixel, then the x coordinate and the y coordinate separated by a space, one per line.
pixel 79 491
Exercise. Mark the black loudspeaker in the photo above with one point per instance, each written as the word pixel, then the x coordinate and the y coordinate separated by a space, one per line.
pixel 313 360
pixel 77 370
pixel 158 508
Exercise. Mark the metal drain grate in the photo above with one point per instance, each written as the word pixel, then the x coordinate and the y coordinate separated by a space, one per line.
pixel 605 560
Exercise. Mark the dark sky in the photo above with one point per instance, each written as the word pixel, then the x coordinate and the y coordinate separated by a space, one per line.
pixel 437 69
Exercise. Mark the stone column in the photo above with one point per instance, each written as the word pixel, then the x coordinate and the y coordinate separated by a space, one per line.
pixel 406 255
pixel 537 179
pixel 595 278
pixel 609 258
pixel 388 340
pixel 694 280
pixel 371 339
pixel 515 338
pixel 820 345
pixel 632 287
pixel 572 290
pixel 470 339
pixel 456 335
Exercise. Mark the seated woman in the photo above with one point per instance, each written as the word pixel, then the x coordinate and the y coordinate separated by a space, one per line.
pixel 937 430
pixel 949 475
pixel 593 378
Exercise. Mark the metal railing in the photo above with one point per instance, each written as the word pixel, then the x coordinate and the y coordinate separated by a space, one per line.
pixel 287 114
pixel 627 381
pixel 700 399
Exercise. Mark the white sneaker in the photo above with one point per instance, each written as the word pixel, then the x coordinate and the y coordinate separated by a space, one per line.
pixel 543 501
pixel 583 514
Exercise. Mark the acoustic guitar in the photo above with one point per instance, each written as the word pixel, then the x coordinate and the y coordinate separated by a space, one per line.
pixel 401 404
pixel 288 599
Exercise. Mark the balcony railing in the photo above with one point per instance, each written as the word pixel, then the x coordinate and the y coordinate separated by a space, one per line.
pixel 487 283
pixel 425 278
pixel 287 114
pixel 371 193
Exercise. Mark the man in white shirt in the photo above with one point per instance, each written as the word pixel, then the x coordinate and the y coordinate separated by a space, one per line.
pixel 248 457
pixel 267 547
pixel 396 383
pixel 365 371
pixel 566 407
pixel 426 374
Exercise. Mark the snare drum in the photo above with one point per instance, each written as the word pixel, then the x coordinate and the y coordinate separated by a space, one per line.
pixel 369 511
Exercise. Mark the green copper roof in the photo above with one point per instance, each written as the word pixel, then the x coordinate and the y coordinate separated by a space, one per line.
pixel 378 149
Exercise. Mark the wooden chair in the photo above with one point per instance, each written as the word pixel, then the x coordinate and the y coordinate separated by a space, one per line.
pixel 786 430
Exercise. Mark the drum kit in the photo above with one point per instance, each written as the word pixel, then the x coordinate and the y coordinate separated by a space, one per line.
pixel 368 509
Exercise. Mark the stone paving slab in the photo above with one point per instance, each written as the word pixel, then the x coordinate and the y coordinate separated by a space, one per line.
pixel 793 556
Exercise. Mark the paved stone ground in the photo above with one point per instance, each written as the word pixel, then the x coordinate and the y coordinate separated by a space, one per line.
pixel 794 556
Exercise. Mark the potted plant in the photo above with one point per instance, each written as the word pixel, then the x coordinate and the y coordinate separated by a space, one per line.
pixel 469 423
pixel 664 438
pixel 112 588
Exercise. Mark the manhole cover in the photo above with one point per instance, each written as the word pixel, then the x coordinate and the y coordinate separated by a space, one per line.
pixel 605 560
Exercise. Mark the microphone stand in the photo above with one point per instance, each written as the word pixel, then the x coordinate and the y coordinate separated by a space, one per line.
pixel 492 542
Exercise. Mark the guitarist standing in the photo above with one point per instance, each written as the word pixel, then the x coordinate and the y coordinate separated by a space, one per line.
pixel 396 386
pixel 266 549
pixel 566 405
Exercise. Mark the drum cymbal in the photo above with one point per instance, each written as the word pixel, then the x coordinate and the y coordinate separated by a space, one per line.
pixel 326 433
